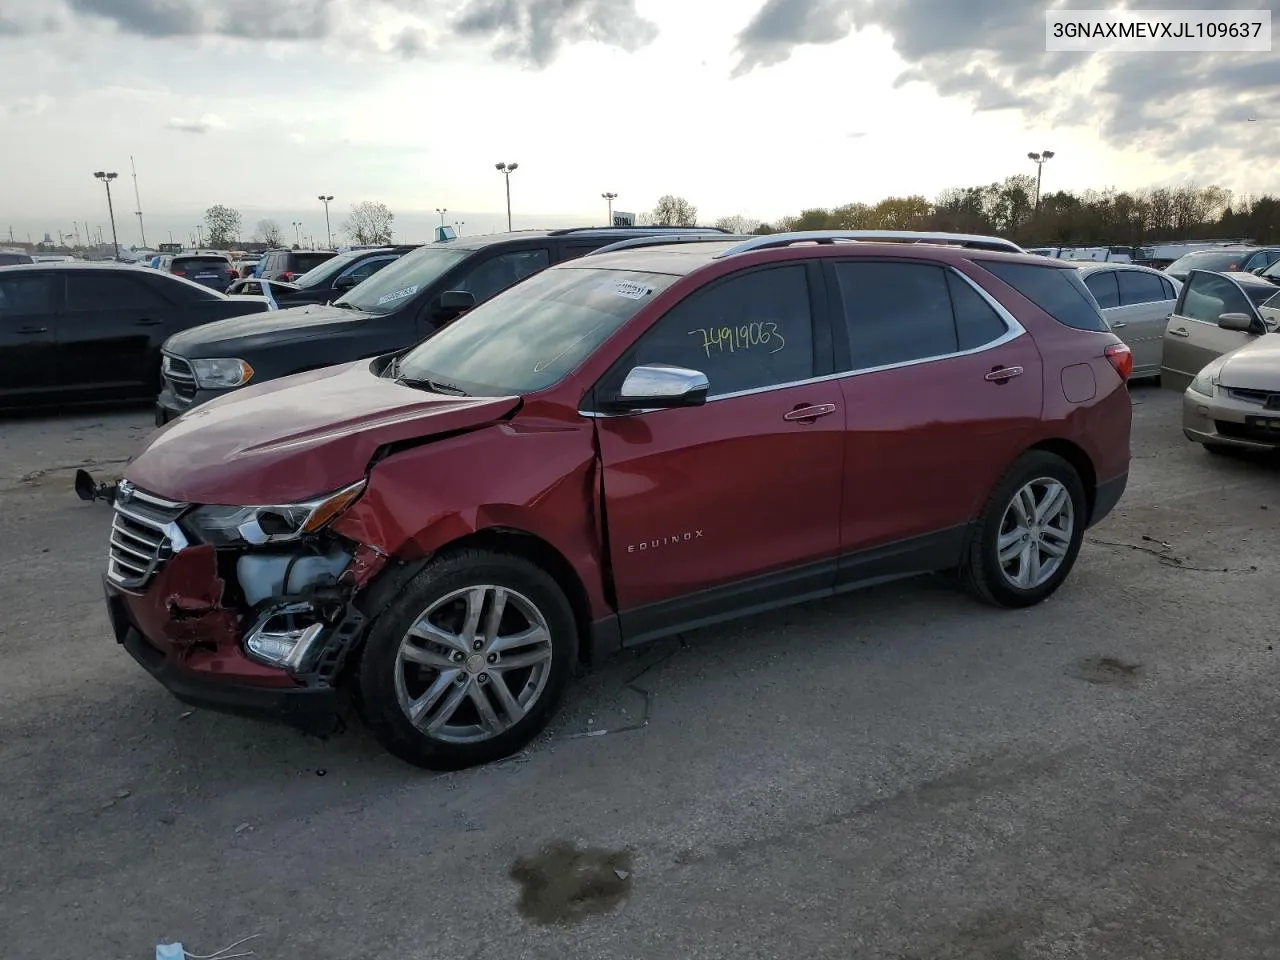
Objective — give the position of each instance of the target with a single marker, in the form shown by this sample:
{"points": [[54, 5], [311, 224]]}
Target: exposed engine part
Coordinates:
{"points": [[266, 575]]}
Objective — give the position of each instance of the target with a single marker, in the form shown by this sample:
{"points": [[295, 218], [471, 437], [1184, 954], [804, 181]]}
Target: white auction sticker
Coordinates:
{"points": [[1157, 31], [629, 289], [398, 295]]}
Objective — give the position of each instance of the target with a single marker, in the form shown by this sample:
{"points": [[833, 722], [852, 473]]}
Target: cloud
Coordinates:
{"points": [[532, 32], [991, 54], [202, 125]]}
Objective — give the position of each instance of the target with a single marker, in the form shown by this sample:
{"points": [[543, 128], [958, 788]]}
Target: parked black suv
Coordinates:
{"points": [[392, 310], [337, 275], [289, 265], [76, 332]]}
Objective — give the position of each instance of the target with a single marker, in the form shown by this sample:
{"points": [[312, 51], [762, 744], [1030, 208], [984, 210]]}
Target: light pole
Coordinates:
{"points": [[506, 169], [325, 200], [106, 179], [458, 225], [1040, 159], [297, 231], [442, 211], [199, 235], [610, 197]]}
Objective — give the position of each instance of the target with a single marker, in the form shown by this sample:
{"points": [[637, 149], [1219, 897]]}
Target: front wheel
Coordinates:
{"points": [[468, 664], [1028, 536]]}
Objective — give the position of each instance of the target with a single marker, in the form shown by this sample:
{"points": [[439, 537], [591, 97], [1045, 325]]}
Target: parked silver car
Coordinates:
{"points": [[1136, 303]]}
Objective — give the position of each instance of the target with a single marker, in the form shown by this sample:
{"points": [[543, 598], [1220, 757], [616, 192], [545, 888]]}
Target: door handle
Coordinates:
{"points": [[1179, 332], [1118, 325], [1004, 374], [149, 323], [808, 412], [33, 329]]}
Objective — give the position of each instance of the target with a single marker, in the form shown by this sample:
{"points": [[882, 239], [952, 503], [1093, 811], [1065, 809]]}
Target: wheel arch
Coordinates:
{"points": [[1080, 461]]}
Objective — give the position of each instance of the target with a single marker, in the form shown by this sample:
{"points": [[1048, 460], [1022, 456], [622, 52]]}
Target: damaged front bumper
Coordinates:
{"points": [[263, 634]]}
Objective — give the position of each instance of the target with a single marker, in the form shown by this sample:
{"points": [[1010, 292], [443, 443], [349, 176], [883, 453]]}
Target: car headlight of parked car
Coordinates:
{"points": [[223, 526], [221, 372], [1206, 380]]}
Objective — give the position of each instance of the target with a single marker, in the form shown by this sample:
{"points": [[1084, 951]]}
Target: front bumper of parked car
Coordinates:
{"points": [[1231, 418]]}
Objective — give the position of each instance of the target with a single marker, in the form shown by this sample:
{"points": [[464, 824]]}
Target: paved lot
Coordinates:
{"points": [[898, 774]]}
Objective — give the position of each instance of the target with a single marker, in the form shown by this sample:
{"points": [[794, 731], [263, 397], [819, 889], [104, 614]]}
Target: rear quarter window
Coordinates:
{"points": [[1058, 292]]}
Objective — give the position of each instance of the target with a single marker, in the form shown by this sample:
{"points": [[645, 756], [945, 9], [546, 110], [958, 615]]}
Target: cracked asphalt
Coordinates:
{"points": [[897, 774]]}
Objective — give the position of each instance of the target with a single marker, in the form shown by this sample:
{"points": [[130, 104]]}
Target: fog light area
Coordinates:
{"points": [[285, 636]]}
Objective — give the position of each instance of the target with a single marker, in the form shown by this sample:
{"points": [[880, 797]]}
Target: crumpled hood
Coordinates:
{"points": [[297, 437], [1255, 366], [227, 338]]}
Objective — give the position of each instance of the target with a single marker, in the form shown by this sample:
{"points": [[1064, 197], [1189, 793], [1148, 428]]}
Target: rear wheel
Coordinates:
{"points": [[1028, 534], [468, 664]]}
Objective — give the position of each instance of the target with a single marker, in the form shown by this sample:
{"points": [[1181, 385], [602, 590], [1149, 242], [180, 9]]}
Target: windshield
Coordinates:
{"points": [[535, 334], [388, 289], [1216, 261], [323, 275]]}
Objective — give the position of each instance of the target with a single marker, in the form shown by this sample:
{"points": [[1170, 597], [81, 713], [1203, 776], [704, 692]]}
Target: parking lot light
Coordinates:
{"points": [[1039, 159], [106, 179], [506, 169], [325, 200], [609, 197]]}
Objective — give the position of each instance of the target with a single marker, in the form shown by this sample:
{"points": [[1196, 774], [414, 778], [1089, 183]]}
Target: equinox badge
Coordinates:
{"points": [[665, 541]]}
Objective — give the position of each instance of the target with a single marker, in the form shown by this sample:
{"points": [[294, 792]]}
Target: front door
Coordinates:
{"points": [[943, 392], [1193, 337], [109, 331], [29, 302], [735, 504]]}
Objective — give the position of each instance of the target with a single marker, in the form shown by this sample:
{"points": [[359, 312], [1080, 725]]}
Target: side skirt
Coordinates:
{"points": [[770, 591]]}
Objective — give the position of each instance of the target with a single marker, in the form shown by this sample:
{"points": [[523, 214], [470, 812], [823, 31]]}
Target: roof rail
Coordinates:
{"points": [[970, 240], [665, 238], [651, 229]]}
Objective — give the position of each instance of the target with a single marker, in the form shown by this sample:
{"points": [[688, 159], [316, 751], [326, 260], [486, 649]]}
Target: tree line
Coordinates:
{"points": [[369, 222], [1008, 209]]}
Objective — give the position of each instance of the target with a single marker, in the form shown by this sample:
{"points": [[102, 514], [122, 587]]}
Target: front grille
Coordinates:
{"points": [[1248, 431], [143, 536], [1264, 398], [180, 377]]}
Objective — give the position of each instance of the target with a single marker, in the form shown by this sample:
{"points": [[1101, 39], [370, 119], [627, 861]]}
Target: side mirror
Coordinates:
{"points": [[453, 303], [660, 387], [1240, 322]]}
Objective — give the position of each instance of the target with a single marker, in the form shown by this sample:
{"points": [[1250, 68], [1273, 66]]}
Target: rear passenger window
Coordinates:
{"points": [[1102, 284], [977, 322], [90, 291], [1139, 287], [751, 331], [27, 294], [896, 312], [1058, 292]]}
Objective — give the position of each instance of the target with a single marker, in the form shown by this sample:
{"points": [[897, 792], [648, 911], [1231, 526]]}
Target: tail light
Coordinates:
{"points": [[288, 276], [1121, 357], [179, 273]]}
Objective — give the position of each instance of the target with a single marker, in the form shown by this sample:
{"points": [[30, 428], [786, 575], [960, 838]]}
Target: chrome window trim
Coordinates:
{"points": [[1013, 330]]}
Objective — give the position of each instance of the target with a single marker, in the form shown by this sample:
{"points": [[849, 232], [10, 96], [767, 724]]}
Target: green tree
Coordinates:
{"points": [[222, 226], [672, 211], [369, 222]]}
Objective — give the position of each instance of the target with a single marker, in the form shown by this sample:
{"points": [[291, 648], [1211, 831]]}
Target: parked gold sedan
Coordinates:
{"points": [[1225, 330]]}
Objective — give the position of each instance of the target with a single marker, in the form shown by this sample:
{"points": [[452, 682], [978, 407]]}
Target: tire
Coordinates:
{"points": [[430, 674], [982, 572]]}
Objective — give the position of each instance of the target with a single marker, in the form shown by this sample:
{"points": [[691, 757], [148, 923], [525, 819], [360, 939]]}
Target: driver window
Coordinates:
{"points": [[1208, 296], [497, 273], [750, 331]]}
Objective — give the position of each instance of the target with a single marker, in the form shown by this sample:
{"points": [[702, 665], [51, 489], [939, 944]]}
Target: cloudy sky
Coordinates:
{"points": [[743, 106]]}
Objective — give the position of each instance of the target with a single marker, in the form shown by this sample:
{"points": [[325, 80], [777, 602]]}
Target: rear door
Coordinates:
{"points": [[29, 303], [733, 504], [943, 388], [110, 331], [1146, 303], [1193, 337]]}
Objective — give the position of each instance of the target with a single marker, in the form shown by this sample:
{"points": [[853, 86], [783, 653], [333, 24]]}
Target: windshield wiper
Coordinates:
{"points": [[341, 306], [435, 386]]}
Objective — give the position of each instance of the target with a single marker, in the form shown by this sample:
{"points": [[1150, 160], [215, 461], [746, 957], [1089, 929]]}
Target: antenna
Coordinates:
{"points": [[138, 202]]}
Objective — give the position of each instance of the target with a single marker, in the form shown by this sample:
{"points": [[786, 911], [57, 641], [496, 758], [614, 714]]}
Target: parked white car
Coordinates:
{"points": [[1136, 302]]}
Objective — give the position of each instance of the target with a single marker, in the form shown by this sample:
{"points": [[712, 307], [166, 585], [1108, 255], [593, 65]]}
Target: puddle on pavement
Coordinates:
{"points": [[563, 883], [1109, 670]]}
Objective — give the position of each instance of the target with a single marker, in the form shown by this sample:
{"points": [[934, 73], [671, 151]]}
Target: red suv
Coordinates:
{"points": [[642, 441]]}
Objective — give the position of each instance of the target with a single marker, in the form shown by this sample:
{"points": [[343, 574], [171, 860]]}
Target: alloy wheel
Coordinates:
{"points": [[1035, 533], [473, 664]]}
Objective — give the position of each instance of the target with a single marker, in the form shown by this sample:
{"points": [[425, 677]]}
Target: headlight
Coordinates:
{"points": [[229, 526], [221, 372], [1206, 380]]}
